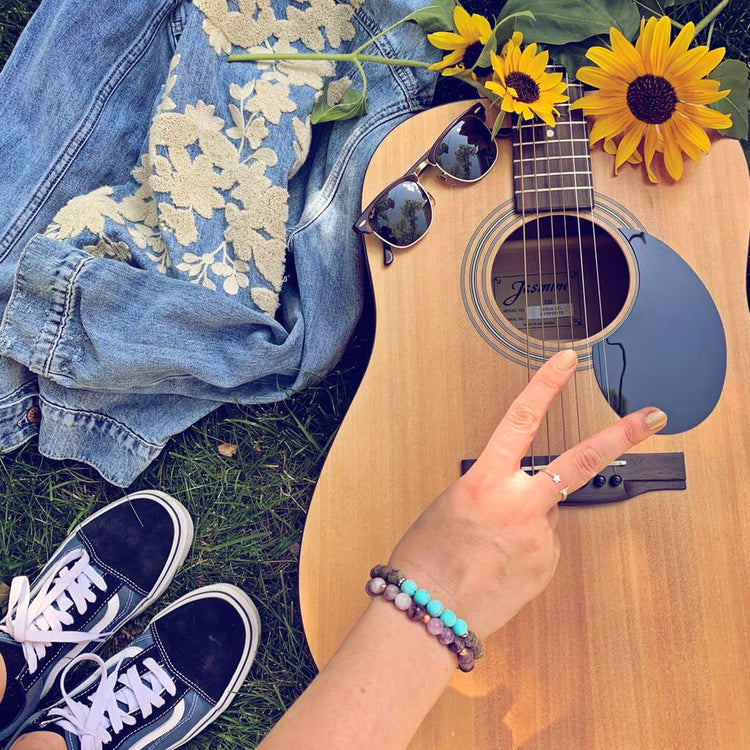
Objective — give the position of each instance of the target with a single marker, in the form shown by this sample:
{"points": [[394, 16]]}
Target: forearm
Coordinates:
{"points": [[375, 691]]}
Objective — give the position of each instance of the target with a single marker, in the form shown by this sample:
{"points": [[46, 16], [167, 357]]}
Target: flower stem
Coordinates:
{"points": [[710, 17], [350, 57], [364, 78]]}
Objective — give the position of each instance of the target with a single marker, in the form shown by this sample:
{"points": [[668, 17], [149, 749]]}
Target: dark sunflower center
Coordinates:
{"points": [[527, 89], [652, 99], [471, 54]]}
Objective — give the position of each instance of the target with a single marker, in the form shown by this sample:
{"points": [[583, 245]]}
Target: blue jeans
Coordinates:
{"points": [[171, 236]]}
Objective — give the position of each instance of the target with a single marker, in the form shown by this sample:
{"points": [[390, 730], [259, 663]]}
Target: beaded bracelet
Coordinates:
{"points": [[450, 630]]}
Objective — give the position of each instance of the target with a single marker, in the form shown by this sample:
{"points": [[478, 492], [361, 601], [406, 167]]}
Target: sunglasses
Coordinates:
{"points": [[401, 214]]}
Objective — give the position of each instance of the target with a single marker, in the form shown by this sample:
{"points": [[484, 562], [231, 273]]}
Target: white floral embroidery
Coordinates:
{"points": [[302, 140], [265, 299], [85, 212], [271, 99], [166, 104], [336, 90]]}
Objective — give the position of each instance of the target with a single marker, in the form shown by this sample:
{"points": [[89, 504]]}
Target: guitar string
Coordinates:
{"points": [[539, 264], [525, 270], [567, 264], [601, 312], [573, 158], [554, 272], [599, 293]]}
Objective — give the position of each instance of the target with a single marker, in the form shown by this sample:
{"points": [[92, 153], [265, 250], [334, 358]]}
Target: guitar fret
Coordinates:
{"points": [[542, 143], [556, 159], [542, 191]]}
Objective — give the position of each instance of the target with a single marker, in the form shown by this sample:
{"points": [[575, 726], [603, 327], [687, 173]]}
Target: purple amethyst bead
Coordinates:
{"points": [[391, 592], [415, 612], [402, 601], [457, 645], [376, 586], [466, 662], [435, 626], [446, 636]]}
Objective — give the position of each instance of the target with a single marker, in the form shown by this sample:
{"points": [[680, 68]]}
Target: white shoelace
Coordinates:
{"points": [[37, 624], [108, 709]]}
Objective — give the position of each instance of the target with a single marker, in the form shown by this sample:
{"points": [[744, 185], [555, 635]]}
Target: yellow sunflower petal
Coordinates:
{"points": [[704, 91], [482, 27], [659, 47], [462, 20], [629, 143], [527, 57], [450, 59], [692, 138], [447, 40], [629, 60], [672, 153], [705, 117], [699, 68], [537, 66], [644, 35], [599, 78], [608, 126], [680, 44], [649, 149], [495, 86], [595, 104]]}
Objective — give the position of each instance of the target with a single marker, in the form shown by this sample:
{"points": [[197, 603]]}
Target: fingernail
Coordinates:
{"points": [[655, 420], [565, 360]]}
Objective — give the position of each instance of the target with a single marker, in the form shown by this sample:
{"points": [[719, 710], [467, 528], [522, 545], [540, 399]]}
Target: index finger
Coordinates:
{"points": [[513, 436]]}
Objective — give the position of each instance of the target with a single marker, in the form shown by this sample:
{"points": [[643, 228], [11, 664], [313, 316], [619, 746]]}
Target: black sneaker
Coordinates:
{"points": [[169, 684], [108, 571]]}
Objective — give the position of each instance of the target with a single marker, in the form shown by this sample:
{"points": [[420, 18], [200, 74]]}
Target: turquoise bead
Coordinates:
{"points": [[460, 628], [421, 597], [449, 618], [409, 587], [434, 608]]}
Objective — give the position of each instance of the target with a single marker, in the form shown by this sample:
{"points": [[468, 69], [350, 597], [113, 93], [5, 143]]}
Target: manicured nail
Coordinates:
{"points": [[565, 360], [655, 420]]}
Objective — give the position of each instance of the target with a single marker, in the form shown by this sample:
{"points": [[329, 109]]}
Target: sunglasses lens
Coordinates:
{"points": [[401, 216], [468, 151]]}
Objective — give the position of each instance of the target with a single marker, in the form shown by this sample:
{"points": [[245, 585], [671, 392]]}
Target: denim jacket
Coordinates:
{"points": [[171, 236]]}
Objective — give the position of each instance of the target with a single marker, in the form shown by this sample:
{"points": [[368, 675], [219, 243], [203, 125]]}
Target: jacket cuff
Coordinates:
{"points": [[32, 327], [19, 416], [94, 439]]}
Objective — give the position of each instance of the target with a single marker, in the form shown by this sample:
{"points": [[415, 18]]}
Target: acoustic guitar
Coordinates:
{"points": [[642, 640]]}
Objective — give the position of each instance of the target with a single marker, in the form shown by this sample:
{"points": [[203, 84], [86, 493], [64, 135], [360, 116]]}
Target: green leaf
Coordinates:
{"points": [[572, 56], [499, 120], [564, 21], [437, 16], [500, 34], [352, 104], [732, 74]]}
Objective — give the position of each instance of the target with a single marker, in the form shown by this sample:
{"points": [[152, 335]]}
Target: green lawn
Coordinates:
{"points": [[249, 511]]}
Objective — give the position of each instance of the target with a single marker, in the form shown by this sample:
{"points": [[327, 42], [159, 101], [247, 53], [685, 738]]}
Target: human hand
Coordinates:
{"points": [[489, 544]]}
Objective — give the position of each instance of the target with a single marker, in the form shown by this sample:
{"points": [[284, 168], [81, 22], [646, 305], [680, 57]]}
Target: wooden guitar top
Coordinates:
{"points": [[642, 640]]}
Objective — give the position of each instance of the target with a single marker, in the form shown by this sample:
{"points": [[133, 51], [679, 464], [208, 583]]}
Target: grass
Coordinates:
{"points": [[249, 510]]}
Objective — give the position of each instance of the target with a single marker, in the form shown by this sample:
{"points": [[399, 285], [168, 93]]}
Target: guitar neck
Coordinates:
{"points": [[552, 166]]}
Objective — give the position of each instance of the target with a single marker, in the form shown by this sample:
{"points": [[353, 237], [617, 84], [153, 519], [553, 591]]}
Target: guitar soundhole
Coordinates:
{"points": [[560, 278]]}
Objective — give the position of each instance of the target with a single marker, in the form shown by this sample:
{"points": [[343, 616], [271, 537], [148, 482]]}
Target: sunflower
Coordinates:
{"points": [[473, 33], [653, 93], [525, 88]]}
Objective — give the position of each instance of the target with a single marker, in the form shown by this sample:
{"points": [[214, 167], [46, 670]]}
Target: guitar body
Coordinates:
{"points": [[642, 640]]}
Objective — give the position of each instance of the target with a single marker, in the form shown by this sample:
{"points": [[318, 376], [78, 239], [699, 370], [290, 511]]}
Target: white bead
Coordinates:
{"points": [[402, 601]]}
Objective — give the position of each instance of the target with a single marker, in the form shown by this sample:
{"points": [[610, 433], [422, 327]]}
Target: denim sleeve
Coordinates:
{"points": [[148, 301]]}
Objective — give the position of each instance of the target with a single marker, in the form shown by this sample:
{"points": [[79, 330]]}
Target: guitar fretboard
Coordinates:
{"points": [[552, 167]]}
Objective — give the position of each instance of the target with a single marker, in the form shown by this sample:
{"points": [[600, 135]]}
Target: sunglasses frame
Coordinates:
{"points": [[428, 159]]}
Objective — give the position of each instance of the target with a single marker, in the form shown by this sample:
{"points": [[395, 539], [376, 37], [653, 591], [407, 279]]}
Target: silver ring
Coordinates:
{"points": [[557, 479]]}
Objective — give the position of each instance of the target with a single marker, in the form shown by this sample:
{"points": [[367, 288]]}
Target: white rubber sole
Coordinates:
{"points": [[183, 541]]}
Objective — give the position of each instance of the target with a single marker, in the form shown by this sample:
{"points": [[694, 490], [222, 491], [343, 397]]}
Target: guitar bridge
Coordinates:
{"points": [[630, 475]]}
